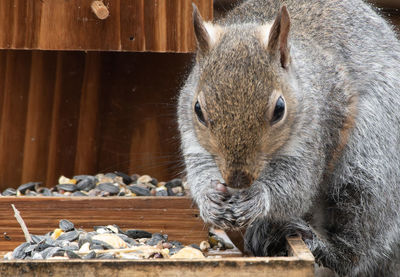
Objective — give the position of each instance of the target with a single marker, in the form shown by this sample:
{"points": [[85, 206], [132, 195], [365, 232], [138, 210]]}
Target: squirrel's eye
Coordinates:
{"points": [[199, 113], [279, 110]]}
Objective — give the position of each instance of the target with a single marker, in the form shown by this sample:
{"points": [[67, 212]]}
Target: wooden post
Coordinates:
{"points": [[100, 10]]}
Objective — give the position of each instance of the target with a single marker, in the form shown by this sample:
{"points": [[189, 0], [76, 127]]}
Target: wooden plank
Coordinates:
{"points": [[293, 266], [3, 71], [62, 145], [133, 25], [297, 248], [175, 216], [245, 267], [297, 265], [88, 126], [39, 113], [96, 203], [13, 115]]}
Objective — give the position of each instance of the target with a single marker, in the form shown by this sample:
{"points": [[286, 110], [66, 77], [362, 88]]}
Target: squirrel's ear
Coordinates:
{"points": [[278, 36], [206, 33]]}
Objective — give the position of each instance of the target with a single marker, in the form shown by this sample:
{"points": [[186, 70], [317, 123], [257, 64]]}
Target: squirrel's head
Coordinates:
{"points": [[243, 107]]}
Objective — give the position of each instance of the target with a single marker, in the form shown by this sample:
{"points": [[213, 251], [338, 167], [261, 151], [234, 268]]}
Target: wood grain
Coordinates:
{"points": [[13, 113], [69, 113], [88, 125], [175, 216], [65, 112], [133, 25], [240, 267], [39, 110]]}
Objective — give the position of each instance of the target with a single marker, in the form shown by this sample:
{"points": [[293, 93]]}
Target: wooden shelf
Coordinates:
{"points": [[132, 25], [175, 216]]}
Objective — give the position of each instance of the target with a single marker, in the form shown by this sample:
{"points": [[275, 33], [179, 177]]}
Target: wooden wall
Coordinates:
{"points": [[75, 113], [133, 25]]}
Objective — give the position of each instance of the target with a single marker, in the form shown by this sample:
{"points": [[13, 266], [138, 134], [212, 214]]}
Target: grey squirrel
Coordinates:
{"points": [[294, 106]]}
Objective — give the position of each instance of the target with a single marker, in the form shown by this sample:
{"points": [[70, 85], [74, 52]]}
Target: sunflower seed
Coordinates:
{"points": [[174, 183], [156, 238], [66, 225], [72, 255], [89, 256], [30, 248], [98, 245], [144, 179], [31, 186], [110, 175], [139, 191], [176, 243], [9, 192], [45, 192], [138, 234], [84, 238], [67, 187], [126, 178], [42, 246], [19, 252], [174, 250], [109, 240], [204, 245], [69, 236], [71, 247], [86, 184], [170, 192], [108, 187], [160, 191], [78, 193], [127, 239], [106, 256], [52, 252]]}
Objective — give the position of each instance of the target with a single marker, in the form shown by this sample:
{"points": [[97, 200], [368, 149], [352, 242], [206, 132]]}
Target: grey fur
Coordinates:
{"points": [[340, 50]]}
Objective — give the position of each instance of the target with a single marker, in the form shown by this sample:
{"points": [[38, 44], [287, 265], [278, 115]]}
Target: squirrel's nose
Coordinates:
{"points": [[239, 179]]}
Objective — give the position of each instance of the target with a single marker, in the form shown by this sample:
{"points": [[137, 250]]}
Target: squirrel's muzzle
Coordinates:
{"points": [[239, 179]]}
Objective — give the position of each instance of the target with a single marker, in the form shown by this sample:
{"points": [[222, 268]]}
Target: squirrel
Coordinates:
{"points": [[290, 124]]}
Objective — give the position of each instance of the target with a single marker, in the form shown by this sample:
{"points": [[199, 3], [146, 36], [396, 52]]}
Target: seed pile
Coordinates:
{"points": [[103, 185], [105, 242]]}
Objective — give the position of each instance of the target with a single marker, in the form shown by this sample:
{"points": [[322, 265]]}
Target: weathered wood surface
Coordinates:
{"points": [[133, 25], [66, 113], [297, 248], [238, 267], [293, 266], [175, 216]]}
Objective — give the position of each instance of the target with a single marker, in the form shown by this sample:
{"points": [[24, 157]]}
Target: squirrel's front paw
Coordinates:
{"points": [[230, 210], [214, 206], [269, 238]]}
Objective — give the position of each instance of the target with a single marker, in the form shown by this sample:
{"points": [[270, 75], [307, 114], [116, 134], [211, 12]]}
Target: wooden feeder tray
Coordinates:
{"points": [[175, 216]]}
